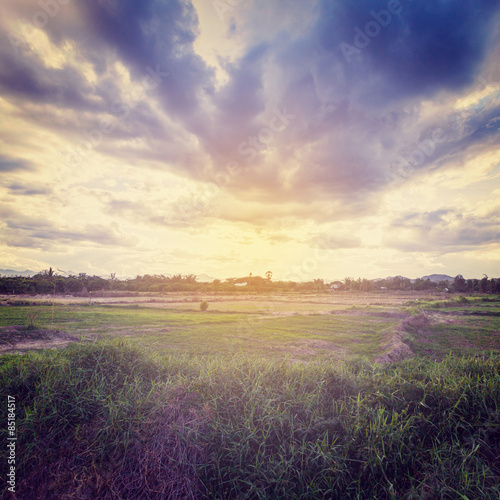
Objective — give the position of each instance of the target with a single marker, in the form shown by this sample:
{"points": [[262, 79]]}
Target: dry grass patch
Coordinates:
{"points": [[19, 338]]}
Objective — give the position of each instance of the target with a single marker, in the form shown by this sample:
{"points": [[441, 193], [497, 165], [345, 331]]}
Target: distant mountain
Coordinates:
{"points": [[12, 272], [390, 278], [436, 278], [204, 278]]}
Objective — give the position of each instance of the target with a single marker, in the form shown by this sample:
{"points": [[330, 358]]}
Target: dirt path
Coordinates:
{"points": [[18, 339]]}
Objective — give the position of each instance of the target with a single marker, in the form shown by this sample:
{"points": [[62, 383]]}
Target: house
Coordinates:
{"points": [[336, 285]]}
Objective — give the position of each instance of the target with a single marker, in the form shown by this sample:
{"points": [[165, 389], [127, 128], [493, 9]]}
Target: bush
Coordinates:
{"points": [[204, 306], [31, 325]]}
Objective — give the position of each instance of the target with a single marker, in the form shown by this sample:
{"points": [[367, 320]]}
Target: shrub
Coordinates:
{"points": [[31, 325], [204, 306]]}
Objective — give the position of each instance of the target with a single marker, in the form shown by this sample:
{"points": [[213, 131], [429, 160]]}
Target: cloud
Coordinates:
{"points": [[335, 241], [359, 115], [445, 231], [12, 164], [417, 49], [115, 90], [28, 190], [35, 232]]}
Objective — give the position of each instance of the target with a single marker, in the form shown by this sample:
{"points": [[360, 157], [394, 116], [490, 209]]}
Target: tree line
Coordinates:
{"points": [[49, 282]]}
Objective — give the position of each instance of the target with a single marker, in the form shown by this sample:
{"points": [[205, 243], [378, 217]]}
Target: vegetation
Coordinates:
{"points": [[255, 398], [305, 328], [110, 420], [32, 316], [49, 282]]}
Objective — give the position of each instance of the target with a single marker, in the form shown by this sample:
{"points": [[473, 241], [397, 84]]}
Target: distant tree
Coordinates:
{"points": [[459, 284], [319, 284], [74, 285], [366, 285], [443, 285], [484, 284], [269, 275]]}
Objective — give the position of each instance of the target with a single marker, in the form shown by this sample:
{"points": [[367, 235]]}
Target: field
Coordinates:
{"points": [[338, 395], [299, 328]]}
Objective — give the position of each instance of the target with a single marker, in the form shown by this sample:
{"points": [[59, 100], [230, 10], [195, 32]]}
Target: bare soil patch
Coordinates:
{"points": [[18, 339]]}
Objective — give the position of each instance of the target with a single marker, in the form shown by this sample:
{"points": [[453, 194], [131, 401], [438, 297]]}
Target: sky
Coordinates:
{"points": [[318, 139]]}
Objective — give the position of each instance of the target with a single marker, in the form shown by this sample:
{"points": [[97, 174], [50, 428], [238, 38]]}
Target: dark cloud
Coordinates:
{"points": [[156, 36], [35, 232], [444, 231], [154, 41], [238, 103], [62, 87], [357, 118], [12, 164], [425, 46], [143, 34], [29, 190]]}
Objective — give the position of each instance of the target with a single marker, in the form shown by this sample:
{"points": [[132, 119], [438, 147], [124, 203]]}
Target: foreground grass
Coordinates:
{"points": [[110, 420]]}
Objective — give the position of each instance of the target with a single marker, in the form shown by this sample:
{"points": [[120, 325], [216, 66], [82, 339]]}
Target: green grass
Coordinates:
{"points": [[113, 420], [457, 326], [304, 336], [246, 400]]}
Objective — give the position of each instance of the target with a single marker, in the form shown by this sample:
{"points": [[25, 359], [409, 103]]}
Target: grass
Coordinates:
{"points": [[251, 401], [461, 325], [113, 420], [457, 325], [310, 335]]}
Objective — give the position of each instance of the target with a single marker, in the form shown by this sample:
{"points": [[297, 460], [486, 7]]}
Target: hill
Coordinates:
{"points": [[436, 278], [12, 272]]}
